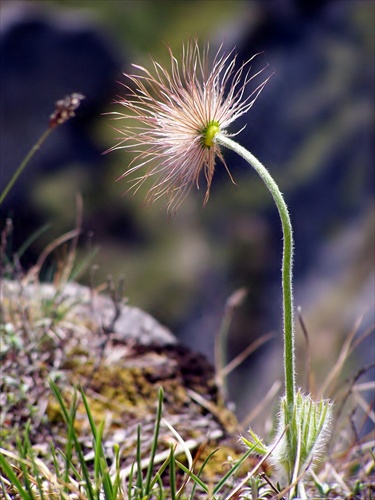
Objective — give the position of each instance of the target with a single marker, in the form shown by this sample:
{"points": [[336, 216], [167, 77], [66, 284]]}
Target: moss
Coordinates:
{"points": [[53, 411], [123, 386], [120, 379]]}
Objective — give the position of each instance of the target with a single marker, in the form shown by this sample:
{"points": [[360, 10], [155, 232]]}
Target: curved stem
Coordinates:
{"points": [[287, 262], [23, 164]]}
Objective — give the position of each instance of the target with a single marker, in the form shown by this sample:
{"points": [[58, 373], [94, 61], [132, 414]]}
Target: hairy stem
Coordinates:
{"points": [[287, 262]]}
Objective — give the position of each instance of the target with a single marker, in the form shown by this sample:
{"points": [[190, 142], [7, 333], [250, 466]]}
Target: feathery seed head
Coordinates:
{"points": [[172, 118]]}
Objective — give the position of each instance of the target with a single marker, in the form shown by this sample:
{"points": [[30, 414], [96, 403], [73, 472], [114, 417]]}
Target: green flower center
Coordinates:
{"points": [[209, 133]]}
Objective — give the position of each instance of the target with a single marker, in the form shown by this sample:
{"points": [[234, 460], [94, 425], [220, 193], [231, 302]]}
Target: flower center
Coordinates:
{"points": [[209, 133]]}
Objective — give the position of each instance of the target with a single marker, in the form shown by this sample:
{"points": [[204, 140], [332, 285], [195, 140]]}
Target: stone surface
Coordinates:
{"points": [[120, 356]]}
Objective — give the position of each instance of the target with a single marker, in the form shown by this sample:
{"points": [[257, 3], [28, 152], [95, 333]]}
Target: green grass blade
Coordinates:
{"points": [[106, 480], [31, 456], [65, 415], [172, 473], [74, 471], [23, 451], [193, 476], [130, 481], [100, 462], [70, 437], [103, 466], [38, 479], [200, 472], [25, 495], [154, 443], [161, 489], [159, 473], [97, 461], [232, 471], [117, 481], [81, 267], [55, 461], [139, 481], [30, 240], [69, 420]]}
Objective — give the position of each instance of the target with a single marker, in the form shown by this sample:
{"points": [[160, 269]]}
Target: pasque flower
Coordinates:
{"points": [[176, 124], [171, 118]]}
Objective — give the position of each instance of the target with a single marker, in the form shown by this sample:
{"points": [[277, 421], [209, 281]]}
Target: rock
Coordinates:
{"points": [[119, 355], [130, 324]]}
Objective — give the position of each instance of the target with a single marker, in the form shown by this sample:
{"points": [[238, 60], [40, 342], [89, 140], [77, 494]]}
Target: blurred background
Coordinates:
{"points": [[312, 126]]}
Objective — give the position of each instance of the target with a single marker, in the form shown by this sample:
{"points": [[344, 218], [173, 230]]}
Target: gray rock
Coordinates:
{"points": [[131, 323]]}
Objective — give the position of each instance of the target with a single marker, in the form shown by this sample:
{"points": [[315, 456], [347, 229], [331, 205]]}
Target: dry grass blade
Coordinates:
{"points": [[255, 469], [197, 457], [160, 457], [346, 350], [221, 342], [211, 408], [365, 405], [69, 263], [181, 441], [35, 270], [309, 377], [246, 353], [261, 405]]}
